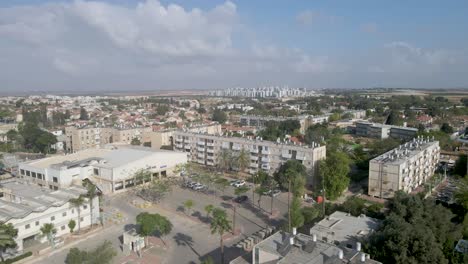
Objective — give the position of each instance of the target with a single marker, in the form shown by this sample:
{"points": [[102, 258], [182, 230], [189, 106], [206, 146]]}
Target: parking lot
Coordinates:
{"points": [[190, 240]]}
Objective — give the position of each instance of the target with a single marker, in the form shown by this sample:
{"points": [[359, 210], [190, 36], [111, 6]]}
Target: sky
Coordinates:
{"points": [[125, 45]]}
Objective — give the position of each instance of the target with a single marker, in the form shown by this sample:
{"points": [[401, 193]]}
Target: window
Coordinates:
{"points": [[62, 227], [73, 211], [55, 179], [22, 172], [85, 207], [27, 226], [81, 219], [52, 218], [37, 223], [33, 174], [64, 214], [96, 171], [28, 173]]}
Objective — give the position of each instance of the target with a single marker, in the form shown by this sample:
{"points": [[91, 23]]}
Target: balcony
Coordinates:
{"points": [[236, 147], [179, 146], [187, 147], [265, 167], [200, 149], [265, 151], [253, 171], [254, 150], [286, 155], [301, 158], [210, 150], [178, 140], [210, 163], [210, 144], [201, 156], [254, 158], [265, 159], [253, 165]]}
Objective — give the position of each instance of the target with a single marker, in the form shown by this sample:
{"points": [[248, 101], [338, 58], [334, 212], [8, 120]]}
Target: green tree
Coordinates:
{"points": [[394, 119], [182, 115], [334, 174], [135, 142], [83, 114], [103, 254], [243, 159], [446, 128], [48, 230], [310, 214], [289, 170], [91, 194], [460, 166], [297, 218], [317, 133], [208, 209], [189, 205], [258, 178], [220, 225], [77, 203], [224, 160], [415, 230], [208, 260], [219, 116], [71, 225], [147, 225], [7, 238]]}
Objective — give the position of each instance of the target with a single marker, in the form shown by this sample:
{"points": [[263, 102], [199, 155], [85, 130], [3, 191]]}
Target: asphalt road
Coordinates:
{"points": [[190, 240]]}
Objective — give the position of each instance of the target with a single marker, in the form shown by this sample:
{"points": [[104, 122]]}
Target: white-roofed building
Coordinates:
{"points": [[111, 169], [28, 207]]}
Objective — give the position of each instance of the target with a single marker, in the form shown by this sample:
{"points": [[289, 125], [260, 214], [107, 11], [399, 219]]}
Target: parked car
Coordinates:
{"points": [[198, 186], [241, 199], [239, 183], [275, 193]]}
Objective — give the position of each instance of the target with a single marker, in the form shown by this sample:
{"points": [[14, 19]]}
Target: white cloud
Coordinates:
{"points": [[406, 56], [307, 17]]}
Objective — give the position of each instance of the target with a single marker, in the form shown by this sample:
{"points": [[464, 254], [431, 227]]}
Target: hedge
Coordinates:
{"points": [[17, 258]]}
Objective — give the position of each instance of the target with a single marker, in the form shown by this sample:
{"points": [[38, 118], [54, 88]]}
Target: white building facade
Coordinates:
{"points": [[404, 168]]}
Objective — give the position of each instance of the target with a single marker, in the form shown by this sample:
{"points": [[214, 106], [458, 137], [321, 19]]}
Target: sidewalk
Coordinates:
{"points": [[68, 244]]}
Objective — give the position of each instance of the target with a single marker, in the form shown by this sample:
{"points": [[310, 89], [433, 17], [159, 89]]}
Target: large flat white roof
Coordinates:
{"points": [[113, 157]]}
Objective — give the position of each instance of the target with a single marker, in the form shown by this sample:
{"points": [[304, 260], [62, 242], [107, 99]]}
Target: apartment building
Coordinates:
{"points": [[28, 207], [125, 135], [166, 137], [285, 248], [261, 92], [80, 138], [111, 169], [304, 120], [381, 131], [404, 168], [264, 155]]}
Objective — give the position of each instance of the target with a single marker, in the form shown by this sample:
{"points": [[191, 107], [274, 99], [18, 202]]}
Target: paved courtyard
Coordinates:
{"points": [[191, 240]]}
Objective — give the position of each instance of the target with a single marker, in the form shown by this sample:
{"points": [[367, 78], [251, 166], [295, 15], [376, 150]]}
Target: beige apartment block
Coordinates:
{"points": [[87, 137], [404, 168], [264, 155], [166, 137]]}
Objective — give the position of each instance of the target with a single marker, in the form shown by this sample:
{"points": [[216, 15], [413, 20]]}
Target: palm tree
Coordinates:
{"points": [[224, 159], [91, 194], [48, 230], [209, 209], [220, 225], [188, 205], [243, 160], [7, 235], [77, 203], [271, 185]]}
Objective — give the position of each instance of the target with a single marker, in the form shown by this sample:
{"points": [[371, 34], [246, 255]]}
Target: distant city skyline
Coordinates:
{"points": [[149, 45]]}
